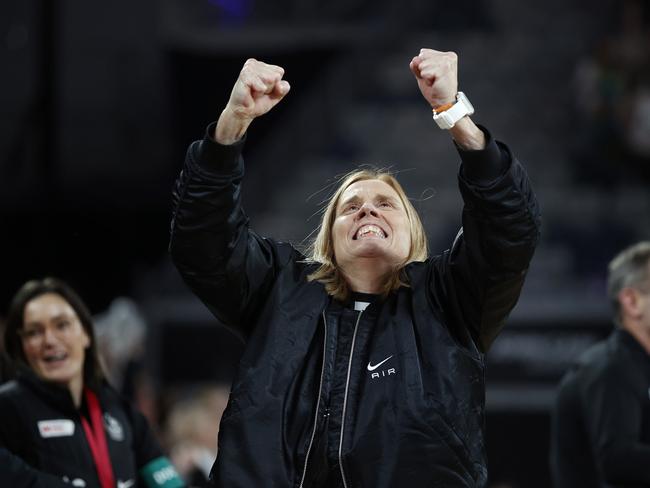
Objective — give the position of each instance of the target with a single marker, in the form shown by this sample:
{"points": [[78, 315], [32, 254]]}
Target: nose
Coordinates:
{"points": [[49, 337], [367, 209]]}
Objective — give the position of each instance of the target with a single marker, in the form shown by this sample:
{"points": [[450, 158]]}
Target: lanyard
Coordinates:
{"points": [[96, 438]]}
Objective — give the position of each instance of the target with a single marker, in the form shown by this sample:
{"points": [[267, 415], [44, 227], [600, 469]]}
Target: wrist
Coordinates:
{"points": [[443, 104], [230, 127], [447, 115], [467, 135]]}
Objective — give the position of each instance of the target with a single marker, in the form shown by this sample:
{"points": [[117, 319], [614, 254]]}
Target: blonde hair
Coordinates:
{"points": [[322, 249]]}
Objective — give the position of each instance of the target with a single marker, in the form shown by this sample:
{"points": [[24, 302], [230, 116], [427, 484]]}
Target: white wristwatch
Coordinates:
{"points": [[448, 118]]}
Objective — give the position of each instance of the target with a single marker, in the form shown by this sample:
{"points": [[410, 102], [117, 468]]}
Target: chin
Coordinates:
{"points": [[371, 248], [58, 377]]}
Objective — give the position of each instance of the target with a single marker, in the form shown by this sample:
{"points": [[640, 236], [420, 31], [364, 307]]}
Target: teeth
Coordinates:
{"points": [[56, 357], [370, 229]]}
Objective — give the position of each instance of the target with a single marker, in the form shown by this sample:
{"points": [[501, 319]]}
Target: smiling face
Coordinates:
{"points": [[54, 341], [371, 222]]}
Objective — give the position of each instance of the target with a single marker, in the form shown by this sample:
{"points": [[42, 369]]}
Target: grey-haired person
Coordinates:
{"points": [[600, 431]]}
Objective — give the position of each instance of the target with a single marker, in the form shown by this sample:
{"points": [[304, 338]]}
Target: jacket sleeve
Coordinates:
{"points": [[613, 414], [17, 473], [14, 470], [13, 436], [481, 276], [229, 267]]}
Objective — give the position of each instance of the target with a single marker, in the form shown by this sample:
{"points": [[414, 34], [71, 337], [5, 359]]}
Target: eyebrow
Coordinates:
{"points": [[56, 317], [379, 196]]}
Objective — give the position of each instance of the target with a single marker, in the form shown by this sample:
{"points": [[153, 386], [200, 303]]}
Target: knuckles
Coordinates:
{"points": [[251, 66], [447, 57], [254, 68]]}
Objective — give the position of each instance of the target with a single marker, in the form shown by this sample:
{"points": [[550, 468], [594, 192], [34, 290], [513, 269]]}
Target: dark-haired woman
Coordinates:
{"points": [[60, 415]]}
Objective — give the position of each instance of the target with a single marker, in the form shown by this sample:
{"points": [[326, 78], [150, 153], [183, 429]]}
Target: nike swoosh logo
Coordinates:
{"points": [[372, 368], [125, 484]]}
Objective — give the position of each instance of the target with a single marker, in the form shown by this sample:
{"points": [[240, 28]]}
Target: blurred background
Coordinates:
{"points": [[99, 101]]}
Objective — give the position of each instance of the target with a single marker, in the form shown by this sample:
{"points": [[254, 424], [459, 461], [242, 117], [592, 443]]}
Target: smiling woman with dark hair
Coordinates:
{"points": [[60, 415], [364, 361]]}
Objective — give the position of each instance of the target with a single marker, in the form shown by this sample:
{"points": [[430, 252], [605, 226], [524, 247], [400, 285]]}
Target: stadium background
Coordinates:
{"points": [[100, 99]]}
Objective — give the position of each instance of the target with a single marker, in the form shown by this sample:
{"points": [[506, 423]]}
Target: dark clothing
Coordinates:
{"points": [[16, 473], [342, 321], [420, 425], [601, 423], [41, 425]]}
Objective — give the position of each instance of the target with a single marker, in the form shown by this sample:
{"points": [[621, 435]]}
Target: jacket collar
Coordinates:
{"points": [[51, 393], [627, 341]]}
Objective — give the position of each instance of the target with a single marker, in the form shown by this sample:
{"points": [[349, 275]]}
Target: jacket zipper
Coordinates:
{"points": [[345, 400], [320, 388]]}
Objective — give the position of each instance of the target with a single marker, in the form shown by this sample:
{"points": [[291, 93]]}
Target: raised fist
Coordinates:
{"points": [[257, 90], [437, 75]]}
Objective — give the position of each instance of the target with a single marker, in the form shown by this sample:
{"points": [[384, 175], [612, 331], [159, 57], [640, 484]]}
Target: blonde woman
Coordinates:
{"points": [[364, 361]]}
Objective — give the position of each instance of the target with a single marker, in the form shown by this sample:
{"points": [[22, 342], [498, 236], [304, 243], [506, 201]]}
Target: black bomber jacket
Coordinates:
{"points": [[41, 427], [420, 425]]}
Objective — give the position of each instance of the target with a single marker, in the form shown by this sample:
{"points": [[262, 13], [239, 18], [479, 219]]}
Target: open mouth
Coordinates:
{"points": [[55, 358], [369, 231]]}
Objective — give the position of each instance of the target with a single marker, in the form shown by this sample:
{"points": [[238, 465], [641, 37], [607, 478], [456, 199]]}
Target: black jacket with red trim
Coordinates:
{"points": [[40, 424]]}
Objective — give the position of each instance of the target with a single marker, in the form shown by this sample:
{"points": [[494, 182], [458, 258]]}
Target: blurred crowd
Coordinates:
{"points": [[612, 102]]}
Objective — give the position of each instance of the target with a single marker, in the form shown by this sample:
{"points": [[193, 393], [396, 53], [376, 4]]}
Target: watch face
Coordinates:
{"points": [[461, 98]]}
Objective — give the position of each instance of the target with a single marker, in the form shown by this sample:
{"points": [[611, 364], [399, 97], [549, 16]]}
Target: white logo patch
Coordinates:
{"points": [[382, 372], [77, 482], [56, 428], [372, 368], [113, 427], [165, 474], [125, 484]]}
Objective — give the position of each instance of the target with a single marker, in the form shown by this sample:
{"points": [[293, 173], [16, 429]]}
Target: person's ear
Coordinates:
{"points": [[86, 337], [629, 300]]}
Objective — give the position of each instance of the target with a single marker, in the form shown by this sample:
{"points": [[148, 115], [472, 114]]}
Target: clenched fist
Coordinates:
{"points": [[257, 90], [437, 75]]}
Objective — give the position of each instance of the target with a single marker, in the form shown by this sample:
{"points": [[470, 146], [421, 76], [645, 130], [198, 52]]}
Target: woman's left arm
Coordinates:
{"points": [[483, 272], [478, 281]]}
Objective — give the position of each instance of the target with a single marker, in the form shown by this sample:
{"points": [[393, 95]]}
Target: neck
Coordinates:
{"points": [[640, 333], [366, 277], [75, 387]]}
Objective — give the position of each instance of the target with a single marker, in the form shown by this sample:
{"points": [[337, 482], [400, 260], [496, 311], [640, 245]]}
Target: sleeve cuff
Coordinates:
{"points": [[486, 165], [218, 158]]}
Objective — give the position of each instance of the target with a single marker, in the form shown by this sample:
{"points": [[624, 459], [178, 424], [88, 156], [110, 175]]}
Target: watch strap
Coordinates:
{"points": [[447, 119]]}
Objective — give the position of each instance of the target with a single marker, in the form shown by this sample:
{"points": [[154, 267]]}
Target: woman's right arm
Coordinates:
{"points": [[17, 473], [228, 266]]}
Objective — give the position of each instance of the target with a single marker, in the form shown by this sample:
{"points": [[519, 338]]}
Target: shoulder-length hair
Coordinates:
{"points": [[93, 371], [322, 249]]}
